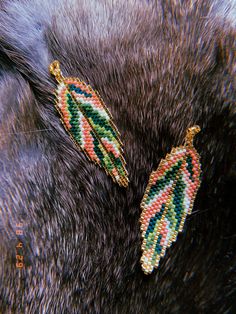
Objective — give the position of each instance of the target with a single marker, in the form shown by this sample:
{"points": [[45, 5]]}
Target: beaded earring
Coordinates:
{"points": [[90, 124], [168, 199]]}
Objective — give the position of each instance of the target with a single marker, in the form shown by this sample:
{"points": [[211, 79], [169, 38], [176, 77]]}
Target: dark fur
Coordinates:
{"points": [[160, 66]]}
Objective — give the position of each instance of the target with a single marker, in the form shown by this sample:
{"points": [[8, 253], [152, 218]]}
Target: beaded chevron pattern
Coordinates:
{"points": [[90, 125], [168, 200]]}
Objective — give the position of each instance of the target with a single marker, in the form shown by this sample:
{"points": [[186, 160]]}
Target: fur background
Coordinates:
{"points": [[160, 66]]}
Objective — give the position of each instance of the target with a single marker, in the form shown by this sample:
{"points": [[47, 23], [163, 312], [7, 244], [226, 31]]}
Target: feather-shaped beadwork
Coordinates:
{"points": [[168, 200], [90, 124]]}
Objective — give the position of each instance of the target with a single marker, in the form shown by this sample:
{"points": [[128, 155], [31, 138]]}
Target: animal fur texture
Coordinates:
{"points": [[160, 66]]}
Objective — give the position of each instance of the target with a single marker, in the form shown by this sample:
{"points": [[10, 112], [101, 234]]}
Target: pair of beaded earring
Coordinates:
{"points": [[172, 188]]}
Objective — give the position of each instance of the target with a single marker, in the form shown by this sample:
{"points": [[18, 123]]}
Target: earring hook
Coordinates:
{"points": [[55, 70], [191, 132]]}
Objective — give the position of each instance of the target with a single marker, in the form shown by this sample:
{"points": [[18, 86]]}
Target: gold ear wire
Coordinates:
{"points": [[55, 70], [190, 134]]}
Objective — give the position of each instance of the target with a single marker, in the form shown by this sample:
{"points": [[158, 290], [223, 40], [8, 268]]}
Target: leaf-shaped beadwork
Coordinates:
{"points": [[168, 199], [90, 125]]}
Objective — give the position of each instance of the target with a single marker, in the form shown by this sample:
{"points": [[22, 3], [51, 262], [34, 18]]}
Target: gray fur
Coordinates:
{"points": [[160, 66]]}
